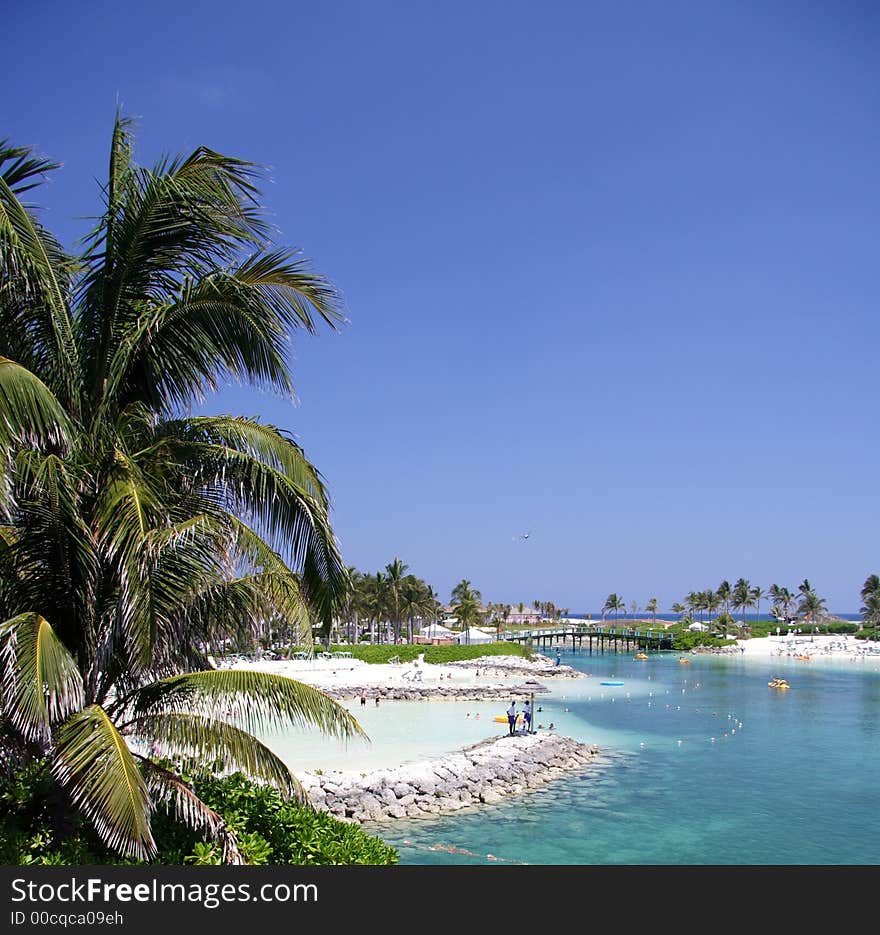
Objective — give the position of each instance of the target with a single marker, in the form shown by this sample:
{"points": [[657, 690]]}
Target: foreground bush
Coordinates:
{"points": [[35, 829]]}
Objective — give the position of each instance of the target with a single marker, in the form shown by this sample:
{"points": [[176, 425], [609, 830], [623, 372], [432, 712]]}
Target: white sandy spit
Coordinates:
{"points": [[845, 648], [495, 672]]}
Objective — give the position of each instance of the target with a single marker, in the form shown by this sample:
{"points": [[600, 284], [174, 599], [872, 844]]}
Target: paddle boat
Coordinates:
{"points": [[781, 684], [641, 656], [684, 662]]}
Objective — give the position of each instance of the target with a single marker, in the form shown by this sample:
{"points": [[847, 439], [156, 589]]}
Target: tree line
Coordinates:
{"points": [[725, 600]]}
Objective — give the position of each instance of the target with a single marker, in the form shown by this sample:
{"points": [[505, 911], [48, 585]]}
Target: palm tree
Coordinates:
{"points": [[466, 605], [724, 594], [870, 595], [871, 586], [812, 607], [416, 600], [711, 601], [782, 600], [741, 597], [652, 607], [394, 576], [870, 609], [613, 603], [756, 595], [133, 535]]}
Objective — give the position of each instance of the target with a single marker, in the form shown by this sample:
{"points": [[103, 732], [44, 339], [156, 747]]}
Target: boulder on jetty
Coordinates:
{"points": [[484, 773]]}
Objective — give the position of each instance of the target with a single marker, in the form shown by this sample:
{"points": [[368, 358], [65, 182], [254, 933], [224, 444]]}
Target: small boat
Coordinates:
{"points": [[641, 655], [778, 683], [685, 662], [502, 718], [804, 658], [610, 683]]}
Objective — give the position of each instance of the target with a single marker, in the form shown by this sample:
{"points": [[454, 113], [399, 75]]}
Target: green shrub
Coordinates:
{"points": [[381, 653], [35, 828], [688, 639]]}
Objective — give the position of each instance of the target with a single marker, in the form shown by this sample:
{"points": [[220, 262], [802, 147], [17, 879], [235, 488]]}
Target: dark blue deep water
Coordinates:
{"points": [[701, 764]]}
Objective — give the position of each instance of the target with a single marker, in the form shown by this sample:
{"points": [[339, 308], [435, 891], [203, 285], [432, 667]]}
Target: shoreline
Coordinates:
{"points": [[484, 773], [502, 766]]}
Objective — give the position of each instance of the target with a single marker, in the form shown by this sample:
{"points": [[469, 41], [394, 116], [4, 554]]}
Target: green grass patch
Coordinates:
{"points": [[384, 652]]}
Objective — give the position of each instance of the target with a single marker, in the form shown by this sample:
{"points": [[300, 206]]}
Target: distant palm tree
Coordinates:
{"points": [[695, 602], [870, 611], [467, 607], [870, 587], [812, 607], [394, 577], [613, 604], [756, 595], [711, 601], [652, 607], [724, 594], [741, 597]]}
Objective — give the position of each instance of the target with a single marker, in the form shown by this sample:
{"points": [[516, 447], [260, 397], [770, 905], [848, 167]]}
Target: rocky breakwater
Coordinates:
{"points": [[484, 773], [448, 692]]}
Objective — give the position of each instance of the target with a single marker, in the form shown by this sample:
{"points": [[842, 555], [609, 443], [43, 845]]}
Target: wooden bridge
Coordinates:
{"points": [[612, 639]]}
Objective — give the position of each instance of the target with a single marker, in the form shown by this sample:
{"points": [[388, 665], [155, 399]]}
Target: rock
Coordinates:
{"points": [[484, 773]]}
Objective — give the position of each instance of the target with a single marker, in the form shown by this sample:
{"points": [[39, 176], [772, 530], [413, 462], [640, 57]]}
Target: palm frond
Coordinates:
{"points": [[21, 169], [194, 740], [93, 764], [36, 270], [256, 700], [29, 412], [41, 681], [170, 790]]}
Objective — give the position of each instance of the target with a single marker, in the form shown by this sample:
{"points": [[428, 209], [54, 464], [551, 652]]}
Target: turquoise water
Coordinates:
{"points": [[701, 764]]}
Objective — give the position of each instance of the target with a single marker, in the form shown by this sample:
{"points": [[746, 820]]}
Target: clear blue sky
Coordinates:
{"points": [[611, 268]]}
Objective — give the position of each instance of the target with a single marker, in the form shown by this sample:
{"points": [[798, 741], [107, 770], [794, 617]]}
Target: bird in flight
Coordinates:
{"points": [[523, 537]]}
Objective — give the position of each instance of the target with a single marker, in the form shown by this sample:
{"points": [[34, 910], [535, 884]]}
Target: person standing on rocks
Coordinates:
{"points": [[527, 717], [511, 718]]}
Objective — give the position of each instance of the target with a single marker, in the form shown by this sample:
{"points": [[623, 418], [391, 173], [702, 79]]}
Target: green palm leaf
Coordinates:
{"points": [[29, 412], [40, 679], [93, 764], [257, 700], [172, 792], [195, 740]]}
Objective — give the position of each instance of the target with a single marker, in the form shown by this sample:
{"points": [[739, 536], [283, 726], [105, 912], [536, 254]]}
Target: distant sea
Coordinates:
{"points": [[700, 764], [610, 620]]}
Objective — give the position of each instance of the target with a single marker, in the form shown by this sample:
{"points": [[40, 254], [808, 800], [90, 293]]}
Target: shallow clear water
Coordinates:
{"points": [[702, 764]]}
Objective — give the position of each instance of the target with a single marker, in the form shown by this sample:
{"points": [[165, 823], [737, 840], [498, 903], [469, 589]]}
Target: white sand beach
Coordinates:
{"points": [[845, 648], [492, 672]]}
